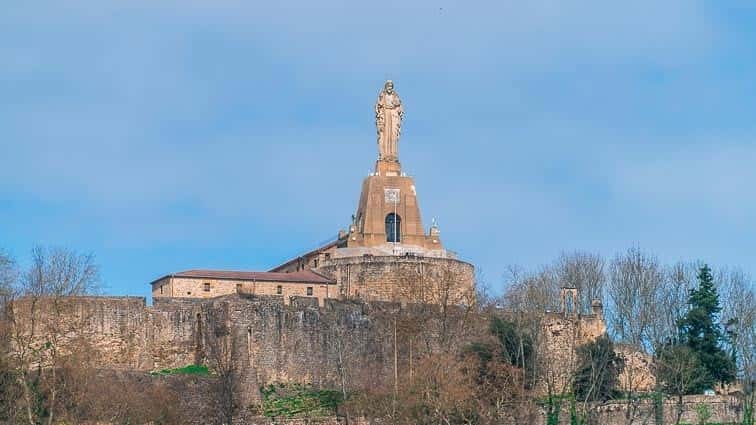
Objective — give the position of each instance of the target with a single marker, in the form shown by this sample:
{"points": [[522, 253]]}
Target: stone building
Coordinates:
{"points": [[569, 328], [214, 283], [563, 332], [385, 255]]}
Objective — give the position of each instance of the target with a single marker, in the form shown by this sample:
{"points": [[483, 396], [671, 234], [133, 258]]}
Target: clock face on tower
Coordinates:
{"points": [[391, 196]]}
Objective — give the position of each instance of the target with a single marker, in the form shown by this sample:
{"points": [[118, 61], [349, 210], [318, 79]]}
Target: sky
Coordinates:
{"points": [[164, 136]]}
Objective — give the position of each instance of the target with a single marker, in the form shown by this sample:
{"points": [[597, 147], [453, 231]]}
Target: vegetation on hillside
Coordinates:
{"points": [[479, 363], [295, 400], [186, 370]]}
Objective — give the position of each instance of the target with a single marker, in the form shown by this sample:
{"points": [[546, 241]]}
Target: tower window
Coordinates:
{"points": [[393, 228]]}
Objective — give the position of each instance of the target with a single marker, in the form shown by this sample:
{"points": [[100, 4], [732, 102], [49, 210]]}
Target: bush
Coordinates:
{"points": [[299, 400], [186, 370]]}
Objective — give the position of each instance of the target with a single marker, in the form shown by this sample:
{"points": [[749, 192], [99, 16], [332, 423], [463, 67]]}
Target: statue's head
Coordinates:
{"points": [[389, 87]]}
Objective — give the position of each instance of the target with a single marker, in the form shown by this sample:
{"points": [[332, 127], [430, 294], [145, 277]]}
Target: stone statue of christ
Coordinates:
{"points": [[388, 120]]}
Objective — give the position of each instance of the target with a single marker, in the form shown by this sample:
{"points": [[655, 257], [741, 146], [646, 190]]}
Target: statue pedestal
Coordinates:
{"points": [[385, 167]]}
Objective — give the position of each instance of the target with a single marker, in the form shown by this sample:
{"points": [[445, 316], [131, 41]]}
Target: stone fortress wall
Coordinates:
{"points": [[564, 331], [723, 410], [272, 342], [408, 278], [278, 342]]}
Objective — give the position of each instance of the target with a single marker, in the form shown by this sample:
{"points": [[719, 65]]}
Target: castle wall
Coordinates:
{"points": [[271, 342], [281, 343], [394, 278], [562, 334], [116, 327], [723, 410], [637, 375]]}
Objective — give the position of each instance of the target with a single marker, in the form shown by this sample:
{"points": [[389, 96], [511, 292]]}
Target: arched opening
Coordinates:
{"points": [[570, 301], [393, 228]]}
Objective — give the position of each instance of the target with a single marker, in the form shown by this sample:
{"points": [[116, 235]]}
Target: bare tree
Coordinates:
{"points": [[584, 271], [677, 370], [8, 277], [738, 297], [670, 303], [635, 279], [223, 357], [528, 298], [35, 326], [9, 390], [531, 291], [59, 272]]}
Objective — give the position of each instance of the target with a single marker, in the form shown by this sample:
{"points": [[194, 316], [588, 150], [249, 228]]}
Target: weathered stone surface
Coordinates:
{"points": [[271, 342], [402, 278], [637, 376], [274, 341], [723, 409], [562, 334]]}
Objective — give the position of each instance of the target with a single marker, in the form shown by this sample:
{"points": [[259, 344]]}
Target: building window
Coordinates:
{"points": [[161, 289], [309, 291], [315, 263], [207, 287], [238, 287], [393, 228], [279, 289]]}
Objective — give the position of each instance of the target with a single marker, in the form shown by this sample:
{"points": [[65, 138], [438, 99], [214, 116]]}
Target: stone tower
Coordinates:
{"points": [[386, 253], [388, 213]]}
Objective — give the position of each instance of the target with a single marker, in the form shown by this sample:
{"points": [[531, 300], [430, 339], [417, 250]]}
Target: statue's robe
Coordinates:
{"points": [[388, 111]]}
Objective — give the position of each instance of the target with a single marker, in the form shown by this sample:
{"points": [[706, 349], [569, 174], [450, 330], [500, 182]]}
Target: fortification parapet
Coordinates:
{"points": [[406, 277]]}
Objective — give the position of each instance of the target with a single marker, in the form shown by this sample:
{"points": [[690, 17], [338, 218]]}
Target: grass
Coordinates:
{"points": [[295, 400], [186, 370]]}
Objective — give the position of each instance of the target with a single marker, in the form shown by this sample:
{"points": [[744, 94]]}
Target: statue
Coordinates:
{"points": [[388, 120]]}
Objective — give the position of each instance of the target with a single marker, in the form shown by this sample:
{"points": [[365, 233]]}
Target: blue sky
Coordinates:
{"points": [[172, 135]]}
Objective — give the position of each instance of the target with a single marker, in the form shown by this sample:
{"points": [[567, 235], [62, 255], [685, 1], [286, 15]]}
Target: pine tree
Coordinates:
{"points": [[701, 331]]}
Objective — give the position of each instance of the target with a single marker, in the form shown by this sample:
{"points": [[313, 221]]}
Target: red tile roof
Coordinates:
{"points": [[303, 276]]}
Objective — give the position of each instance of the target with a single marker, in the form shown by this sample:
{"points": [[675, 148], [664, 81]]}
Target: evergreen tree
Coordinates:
{"points": [[516, 347], [598, 370], [701, 331]]}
